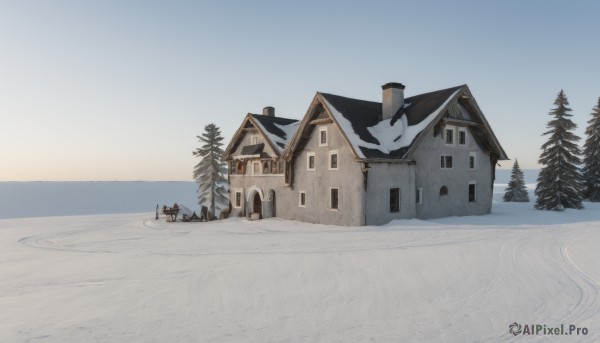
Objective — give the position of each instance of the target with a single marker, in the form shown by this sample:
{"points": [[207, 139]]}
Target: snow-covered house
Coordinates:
{"points": [[357, 162]]}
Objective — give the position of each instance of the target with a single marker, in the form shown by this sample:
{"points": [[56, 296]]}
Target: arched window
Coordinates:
{"points": [[444, 190]]}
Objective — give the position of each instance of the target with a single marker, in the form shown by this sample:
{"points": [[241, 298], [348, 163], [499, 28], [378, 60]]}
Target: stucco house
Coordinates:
{"points": [[357, 162]]}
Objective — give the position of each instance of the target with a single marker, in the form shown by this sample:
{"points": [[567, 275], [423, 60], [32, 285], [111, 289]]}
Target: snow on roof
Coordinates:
{"points": [[278, 133], [391, 137]]}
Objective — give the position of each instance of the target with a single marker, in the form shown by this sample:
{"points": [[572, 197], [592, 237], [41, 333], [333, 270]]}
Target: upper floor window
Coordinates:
{"points": [[472, 160], [254, 139], [449, 135], [310, 161], [256, 168], [462, 136], [333, 160], [446, 162], [323, 139]]}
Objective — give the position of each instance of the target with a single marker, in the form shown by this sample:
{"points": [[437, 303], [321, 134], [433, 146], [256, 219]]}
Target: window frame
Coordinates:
{"points": [[419, 196], [237, 203], [444, 187], [337, 160], [474, 184], [330, 207], [464, 131], [473, 157], [300, 194], [444, 162], [308, 156], [323, 129], [452, 129], [253, 139]]}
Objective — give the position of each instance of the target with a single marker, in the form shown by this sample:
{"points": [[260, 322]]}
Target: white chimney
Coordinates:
{"points": [[269, 111], [393, 99]]}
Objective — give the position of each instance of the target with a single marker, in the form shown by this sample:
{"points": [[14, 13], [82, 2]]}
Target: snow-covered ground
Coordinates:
{"points": [[129, 278]]}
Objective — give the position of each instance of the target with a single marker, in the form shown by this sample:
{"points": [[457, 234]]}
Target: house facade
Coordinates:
{"points": [[356, 162]]}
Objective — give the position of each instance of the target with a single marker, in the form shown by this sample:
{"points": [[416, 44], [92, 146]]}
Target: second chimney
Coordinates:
{"points": [[393, 99], [269, 111]]}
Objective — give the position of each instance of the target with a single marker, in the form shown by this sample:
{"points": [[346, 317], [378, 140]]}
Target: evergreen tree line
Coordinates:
{"points": [[568, 174]]}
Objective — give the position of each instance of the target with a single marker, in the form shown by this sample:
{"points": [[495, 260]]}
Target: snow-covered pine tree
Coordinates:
{"points": [[209, 172], [516, 190], [560, 184], [591, 157]]}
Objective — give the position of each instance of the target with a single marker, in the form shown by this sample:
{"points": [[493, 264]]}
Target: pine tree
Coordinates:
{"points": [[560, 184], [591, 157], [209, 172], [516, 190]]}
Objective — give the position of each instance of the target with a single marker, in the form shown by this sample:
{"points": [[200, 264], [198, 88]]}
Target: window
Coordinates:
{"points": [[333, 160], [256, 168], [323, 136], [310, 161], [444, 190], [472, 192], [254, 139], [395, 200], [446, 162], [419, 196], [472, 160], [462, 136], [302, 199], [333, 198], [266, 168], [238, 200], [449, 132]]}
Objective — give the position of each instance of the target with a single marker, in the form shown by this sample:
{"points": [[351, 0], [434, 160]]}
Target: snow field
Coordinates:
{"points": [[129, 278]]}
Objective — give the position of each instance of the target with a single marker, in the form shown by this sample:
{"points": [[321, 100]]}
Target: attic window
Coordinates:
{"points": [[323, 139], [254, 139]]}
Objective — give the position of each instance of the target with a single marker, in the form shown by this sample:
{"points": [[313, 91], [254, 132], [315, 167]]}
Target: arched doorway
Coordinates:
{"points": [[257, 204]]}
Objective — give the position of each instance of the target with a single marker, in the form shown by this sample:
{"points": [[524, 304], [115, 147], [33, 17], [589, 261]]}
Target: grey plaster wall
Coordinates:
{"points": [[381, 178], [348, 179], [431, 177]]}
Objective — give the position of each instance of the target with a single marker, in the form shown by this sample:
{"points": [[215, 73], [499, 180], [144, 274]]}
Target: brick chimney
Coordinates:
{"points": [[393, 99], [269, 111]]}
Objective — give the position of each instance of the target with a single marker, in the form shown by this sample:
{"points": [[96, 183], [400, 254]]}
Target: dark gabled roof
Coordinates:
{"points": [[270, 125], [364, 114], [255, 149]]}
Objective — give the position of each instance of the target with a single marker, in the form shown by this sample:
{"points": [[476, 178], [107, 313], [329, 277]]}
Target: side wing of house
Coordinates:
{"points": [[256, 171], [325, 180], [455, 161]]}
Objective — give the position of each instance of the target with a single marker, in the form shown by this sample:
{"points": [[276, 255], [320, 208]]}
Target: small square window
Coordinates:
{"points": [[395, 200], [462, 137], [333, 198], [302, 199]]}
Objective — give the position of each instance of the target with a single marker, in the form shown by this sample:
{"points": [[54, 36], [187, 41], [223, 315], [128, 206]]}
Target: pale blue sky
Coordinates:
{"points": [[118, 90]]}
